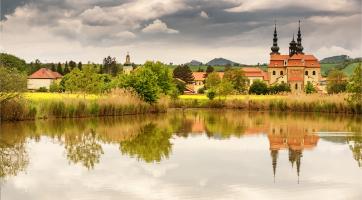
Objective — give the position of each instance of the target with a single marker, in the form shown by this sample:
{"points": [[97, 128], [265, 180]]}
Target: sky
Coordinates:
{"points": [[176, 31]]}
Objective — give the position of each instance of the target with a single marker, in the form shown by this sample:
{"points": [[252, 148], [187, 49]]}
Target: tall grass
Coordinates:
{"points": [[117, 103], [290, 103]]}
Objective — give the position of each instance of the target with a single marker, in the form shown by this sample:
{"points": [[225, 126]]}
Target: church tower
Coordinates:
{"points": [[275, 47], [292, 47], [128, 60], [299, 41]]}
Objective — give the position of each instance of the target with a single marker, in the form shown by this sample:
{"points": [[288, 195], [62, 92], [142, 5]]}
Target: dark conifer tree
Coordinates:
{"points": [[59, 68], [184, 73], [66, 68], [80, 65]]}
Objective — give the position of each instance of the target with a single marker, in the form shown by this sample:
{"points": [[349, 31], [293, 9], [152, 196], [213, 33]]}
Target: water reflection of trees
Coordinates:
{"points": [[152, 144], [148, 138], [84, 148], [13, 155]]}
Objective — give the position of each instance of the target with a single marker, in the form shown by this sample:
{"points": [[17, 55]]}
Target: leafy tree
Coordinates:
{"points": [[66, 68], [279, 88], [143, 81], [258, 87], [309, 88], [59, 68], [225, 88], [12, 83], [180, 85], [355, 85], [13, 62], [209, 69], [184, 73], [213, 80], [35, 66], [336, 82], [110, 66], [54, 87], [72, 65], [200, 70], [164, 76], [237, 79], [53, 67], [80, 65], [227, 68]]}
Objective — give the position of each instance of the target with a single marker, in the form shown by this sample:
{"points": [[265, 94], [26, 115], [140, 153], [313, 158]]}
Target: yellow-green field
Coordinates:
{"points": [[39, 96], [241, 97]]}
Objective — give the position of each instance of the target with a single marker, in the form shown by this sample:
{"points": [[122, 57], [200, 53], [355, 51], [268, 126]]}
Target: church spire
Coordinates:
{"points": [[299, 41], [292, 47], [275, 47]]}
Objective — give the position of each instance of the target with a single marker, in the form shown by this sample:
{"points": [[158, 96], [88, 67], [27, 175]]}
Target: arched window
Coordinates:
{"points": [[306, 73], [273, 72], [296, 86], [281, 72], [313, 72]]}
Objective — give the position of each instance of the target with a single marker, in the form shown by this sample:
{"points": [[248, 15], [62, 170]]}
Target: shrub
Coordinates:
{"points": [[258, 87], [54, 87], [309, 88], [201, 90], [42, 89], [211, 94]]}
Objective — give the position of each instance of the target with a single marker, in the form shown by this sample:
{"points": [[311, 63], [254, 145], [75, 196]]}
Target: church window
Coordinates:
{"points": [[273, 72], [306, 73], [281, 72], [296, 86], [313, 72]]}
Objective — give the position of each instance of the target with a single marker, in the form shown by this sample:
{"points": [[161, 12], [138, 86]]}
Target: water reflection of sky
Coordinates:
{"points": [[198, 167]]}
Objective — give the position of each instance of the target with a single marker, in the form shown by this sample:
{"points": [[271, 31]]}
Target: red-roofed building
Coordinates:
{"points": [[296, 69], [42, 78]]}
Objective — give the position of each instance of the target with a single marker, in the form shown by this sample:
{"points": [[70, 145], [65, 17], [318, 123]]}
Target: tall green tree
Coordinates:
{"points": [[11, 61], [309, 88], [59, 68], [225, 88], [66, 68], [213, 80], [143, 81], [355, 85], [184, 73], [336, 82], [72, 65], [164, 76], [237, 78], [12, 83], [209, 69], [80, 66], [53, 67], [110, 66]]}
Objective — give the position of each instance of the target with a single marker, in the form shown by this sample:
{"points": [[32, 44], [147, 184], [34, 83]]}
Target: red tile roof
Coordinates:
{"points": [[199, 76], [45, 73], [297, 60]]}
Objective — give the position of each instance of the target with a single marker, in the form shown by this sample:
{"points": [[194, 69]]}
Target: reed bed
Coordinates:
{"points": [[117, 103], [289, 103]]}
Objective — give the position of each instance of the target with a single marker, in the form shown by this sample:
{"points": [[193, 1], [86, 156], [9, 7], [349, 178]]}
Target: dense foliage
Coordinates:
{"points": [[237, 78], [184, 73], [258, 87], [12, 82], [336, 82], [355, 85]]}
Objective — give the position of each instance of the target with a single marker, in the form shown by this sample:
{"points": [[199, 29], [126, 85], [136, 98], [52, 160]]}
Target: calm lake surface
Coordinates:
{"points": [[193, 154]]}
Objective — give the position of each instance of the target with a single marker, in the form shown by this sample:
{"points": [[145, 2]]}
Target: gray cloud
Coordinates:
{"points": [[241, 24]]}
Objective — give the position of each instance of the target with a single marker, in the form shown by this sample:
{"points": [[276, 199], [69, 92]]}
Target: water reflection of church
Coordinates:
{"points": [[294, 140]]}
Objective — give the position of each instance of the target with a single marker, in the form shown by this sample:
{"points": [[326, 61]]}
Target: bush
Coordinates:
{"points": [[201, 90], [55, 87], [309, 88], [211, 94], [258, 87], [42, 89]]}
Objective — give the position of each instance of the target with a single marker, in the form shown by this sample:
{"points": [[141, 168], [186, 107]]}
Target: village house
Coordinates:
{"points": [[251, 73], [42, 78], [295, 68]]}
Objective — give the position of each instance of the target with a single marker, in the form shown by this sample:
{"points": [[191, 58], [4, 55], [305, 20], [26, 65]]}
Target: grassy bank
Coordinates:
{"points": [[47, 105], [288, 103]]}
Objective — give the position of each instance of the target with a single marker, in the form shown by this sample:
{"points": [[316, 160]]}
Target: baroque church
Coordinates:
{"points": [[295, 68]]}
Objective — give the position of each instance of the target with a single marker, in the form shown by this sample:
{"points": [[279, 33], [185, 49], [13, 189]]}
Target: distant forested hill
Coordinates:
{"points": [[335, 59]]}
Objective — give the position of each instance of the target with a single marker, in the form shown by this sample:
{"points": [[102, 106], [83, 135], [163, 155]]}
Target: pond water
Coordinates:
{"points": [[192, 154]]}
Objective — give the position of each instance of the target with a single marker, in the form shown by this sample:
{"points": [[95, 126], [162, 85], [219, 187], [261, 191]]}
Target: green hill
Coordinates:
{"points": [[350, 68], [335, 59]]}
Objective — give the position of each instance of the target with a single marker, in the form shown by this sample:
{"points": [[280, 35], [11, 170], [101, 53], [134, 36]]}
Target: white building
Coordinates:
{"points": [[42, 78]]}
